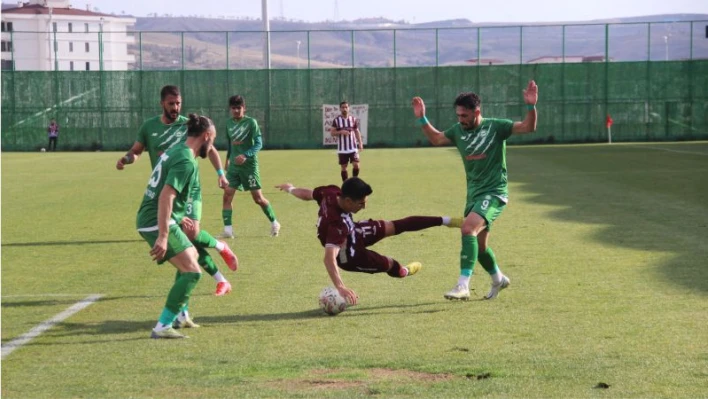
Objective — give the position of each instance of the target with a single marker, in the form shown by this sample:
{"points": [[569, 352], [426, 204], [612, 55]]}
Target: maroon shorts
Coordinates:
{"points": [[347, 158], [356, 257]]}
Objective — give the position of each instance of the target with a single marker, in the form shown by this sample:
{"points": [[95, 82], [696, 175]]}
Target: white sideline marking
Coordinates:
{"points": [[47, 324]]}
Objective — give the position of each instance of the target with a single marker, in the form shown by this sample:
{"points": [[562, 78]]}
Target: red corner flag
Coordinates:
{"points": [[608, 121]]}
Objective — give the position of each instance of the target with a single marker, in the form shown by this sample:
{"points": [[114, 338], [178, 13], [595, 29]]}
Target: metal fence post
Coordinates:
{"points": [[56, 61], [140, 49], [101, 90], [563, 44], [690, 45], [12, 50], [394, 48], [308, 50], [227, 52], [521, 45], [352, 45], [437, 47], [607, 67]]}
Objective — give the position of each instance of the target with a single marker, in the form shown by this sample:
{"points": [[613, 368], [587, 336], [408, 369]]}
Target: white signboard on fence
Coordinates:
{"points": [[331, 111]]}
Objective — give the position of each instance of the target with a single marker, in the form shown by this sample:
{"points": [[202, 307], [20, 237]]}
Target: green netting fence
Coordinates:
{"points": [[648, 101]]}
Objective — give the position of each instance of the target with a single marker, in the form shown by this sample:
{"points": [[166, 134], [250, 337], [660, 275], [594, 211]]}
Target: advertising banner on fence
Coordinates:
{"points": [[331, 111]]}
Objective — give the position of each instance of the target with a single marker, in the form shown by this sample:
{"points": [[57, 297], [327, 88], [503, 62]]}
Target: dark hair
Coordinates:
{"points": [[236, 101], [169, 90], [356, 189], [468, 100], [343, 102], [198, 124]]}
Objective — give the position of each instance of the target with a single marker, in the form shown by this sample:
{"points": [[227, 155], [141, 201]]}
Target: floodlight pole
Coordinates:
{"points": [[266, 29]]}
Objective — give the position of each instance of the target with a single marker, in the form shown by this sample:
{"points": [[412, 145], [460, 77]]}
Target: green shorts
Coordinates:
{"points": [[177, 241], [244, 179], [193, 210], [487, 206]]}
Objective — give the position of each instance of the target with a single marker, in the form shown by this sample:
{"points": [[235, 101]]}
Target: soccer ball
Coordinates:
{"points": [[331, 302], [42, 149]]}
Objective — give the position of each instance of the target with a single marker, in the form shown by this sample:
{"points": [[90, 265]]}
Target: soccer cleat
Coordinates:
{"points": [[168, 333], [455, 223], [229, 257], [186, 322], [494, 291], [222, 288], [226, 234], [413, 268], [274, 229], [459, 292]]}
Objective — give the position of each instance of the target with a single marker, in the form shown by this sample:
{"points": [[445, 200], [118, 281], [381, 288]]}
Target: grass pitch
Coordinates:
{"points": [[605, 246]]}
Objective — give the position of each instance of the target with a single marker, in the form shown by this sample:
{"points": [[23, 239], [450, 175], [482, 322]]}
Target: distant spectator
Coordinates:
{"points": [[53, 132]]}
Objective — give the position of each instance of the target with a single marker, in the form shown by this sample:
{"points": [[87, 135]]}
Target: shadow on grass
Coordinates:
{"points": [[59, 243], [117, 327], [645, 199]]}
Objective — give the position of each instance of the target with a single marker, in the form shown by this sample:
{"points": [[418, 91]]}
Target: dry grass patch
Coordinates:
{"points": [[344, 379]]}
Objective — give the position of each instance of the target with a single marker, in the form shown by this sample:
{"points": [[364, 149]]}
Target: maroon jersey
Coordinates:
{"points": [[336, 228], [334, 225]]}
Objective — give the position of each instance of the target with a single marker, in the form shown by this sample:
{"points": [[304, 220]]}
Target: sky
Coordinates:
{"points": [[412, 11]]}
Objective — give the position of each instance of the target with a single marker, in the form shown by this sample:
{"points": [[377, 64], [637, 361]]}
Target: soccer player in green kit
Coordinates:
{"points": [[168, 198], [245, 140], [160, 133], [482, 146]]}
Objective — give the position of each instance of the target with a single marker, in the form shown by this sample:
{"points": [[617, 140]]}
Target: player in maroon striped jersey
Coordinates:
{"points": [[346, 241], [345, 128]]}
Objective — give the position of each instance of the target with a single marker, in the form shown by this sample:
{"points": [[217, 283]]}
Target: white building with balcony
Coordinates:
{"points": [[48, 35]]}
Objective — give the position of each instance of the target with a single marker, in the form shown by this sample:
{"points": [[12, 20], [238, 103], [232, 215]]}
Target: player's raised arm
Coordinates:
{"points": [[528, 125], [304, 194], [435, 136]]}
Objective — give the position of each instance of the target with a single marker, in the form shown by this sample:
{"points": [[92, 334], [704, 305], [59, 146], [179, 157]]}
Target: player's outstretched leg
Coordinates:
{"points": [[398, 271], [415, 223]]}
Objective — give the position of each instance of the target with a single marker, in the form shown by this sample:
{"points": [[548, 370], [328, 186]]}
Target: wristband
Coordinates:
{"points": [[127, 160], [290, 190], [220, 172], [423, 121], [530, 107]]}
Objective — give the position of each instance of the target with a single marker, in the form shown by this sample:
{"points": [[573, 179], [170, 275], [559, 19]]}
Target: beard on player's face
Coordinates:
{"points": [[170, 115], [204, 150]]}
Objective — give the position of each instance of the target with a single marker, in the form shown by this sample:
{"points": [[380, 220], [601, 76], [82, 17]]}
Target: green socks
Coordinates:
{"points": [[205, 240], [206, 261], [226, 215], [268, 210], [179, 296], [468, 255], [489, 261]]}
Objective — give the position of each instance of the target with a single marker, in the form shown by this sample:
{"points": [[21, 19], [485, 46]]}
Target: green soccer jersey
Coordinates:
{"points": [[177, 168], [157, 137], [242, 135], [483, 152]]}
